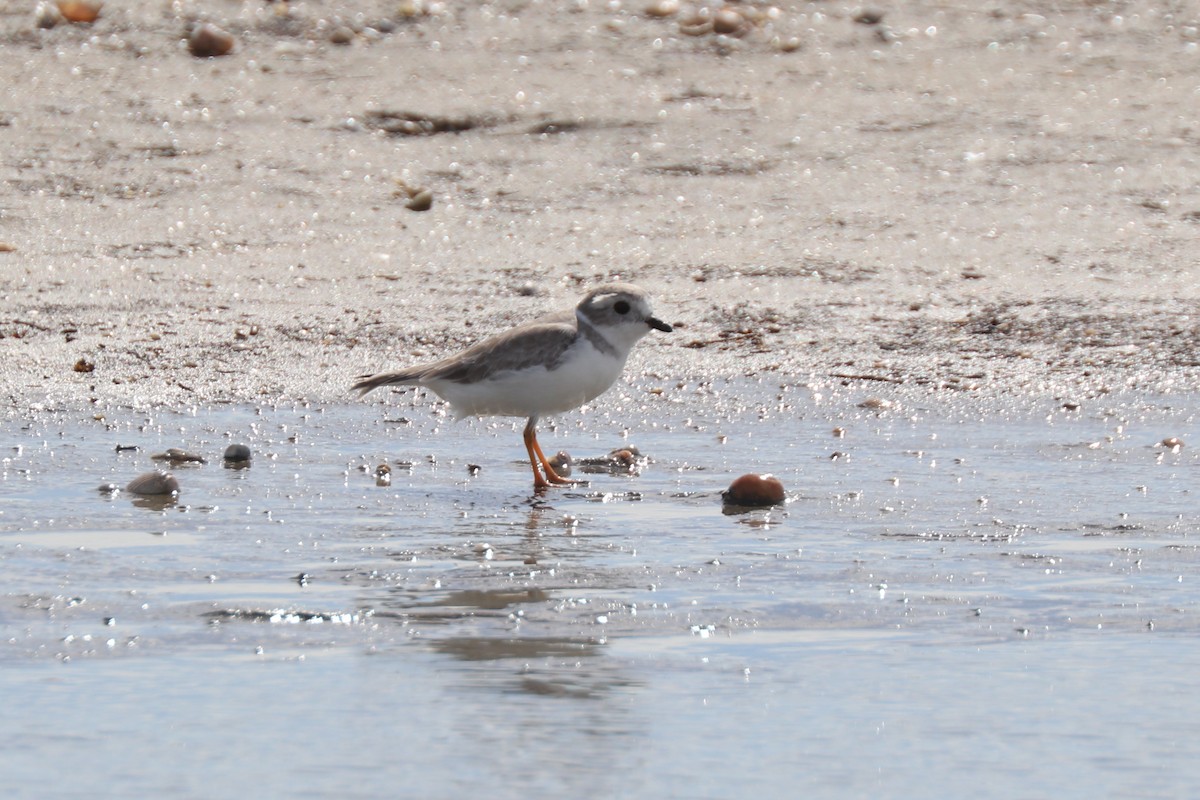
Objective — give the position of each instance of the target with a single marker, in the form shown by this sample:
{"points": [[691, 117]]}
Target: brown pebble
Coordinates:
{"points": [[45, 16], [727, 21], [178, 456], [208, 41], [83, 365], [754, 490], [1173, 442], [662, 8], [342, 34], [623, 457], [79, 10], [868, 16], [153, 483], [383, 475], [561, 463], [420, 200]]}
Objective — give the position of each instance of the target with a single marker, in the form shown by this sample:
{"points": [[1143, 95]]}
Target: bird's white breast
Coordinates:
{"points": [[582, 374]]}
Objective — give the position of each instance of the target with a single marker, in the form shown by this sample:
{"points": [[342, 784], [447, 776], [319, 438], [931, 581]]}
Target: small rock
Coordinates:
{"points": [[83, 365], [754, 491], [728, 21], [47, 15], [561, 463], [420, 200], [342, 34], [623, 456], [1173, 443], [662, 8], [474, 469], [383, 475], [208, 41], [108, 488], [177, 456], [237, 453], [620, 460], [868, 16], [153, 483], [80, 10]]}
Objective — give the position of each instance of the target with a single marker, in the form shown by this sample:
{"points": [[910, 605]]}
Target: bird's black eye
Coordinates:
{"points": [[621, 307]]}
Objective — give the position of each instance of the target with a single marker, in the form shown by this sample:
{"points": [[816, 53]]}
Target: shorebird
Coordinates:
{"points": [[552, 364]]}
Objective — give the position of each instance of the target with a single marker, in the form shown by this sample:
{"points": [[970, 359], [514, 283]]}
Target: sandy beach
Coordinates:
{"points": [[930, 197]]}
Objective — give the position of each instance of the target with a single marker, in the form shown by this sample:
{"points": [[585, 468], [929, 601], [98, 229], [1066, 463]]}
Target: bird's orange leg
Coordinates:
{"points": [[531, 447], [536, 457]]}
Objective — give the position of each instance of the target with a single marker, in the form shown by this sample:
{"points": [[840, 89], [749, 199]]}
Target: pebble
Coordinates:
{"points": [[619, 460], [1172, 442], [754, 490], [208, 41], [868, 16], [47, 15], [662, 8], [153, 483], [420, 200], [728, 21], [237, 452], [561, 463], [383, 475], [342, 34], [80, 10], [177, 456]]}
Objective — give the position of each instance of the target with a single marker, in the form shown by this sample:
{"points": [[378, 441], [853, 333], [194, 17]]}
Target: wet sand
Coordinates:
{"points": [[1001, 604], [985, 200]]}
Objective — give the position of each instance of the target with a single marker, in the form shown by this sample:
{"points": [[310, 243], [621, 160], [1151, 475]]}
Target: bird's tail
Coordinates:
{"points": [[368, 382]]}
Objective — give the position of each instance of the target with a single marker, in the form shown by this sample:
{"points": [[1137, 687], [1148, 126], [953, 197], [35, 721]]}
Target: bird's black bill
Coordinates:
{"points": [[658, 325]]}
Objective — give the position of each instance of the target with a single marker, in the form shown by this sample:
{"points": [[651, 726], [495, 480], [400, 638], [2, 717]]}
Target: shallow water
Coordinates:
{"points": [[956, 599]]}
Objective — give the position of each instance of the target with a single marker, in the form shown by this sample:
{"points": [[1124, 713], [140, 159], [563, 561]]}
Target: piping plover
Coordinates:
{"points": [[553, 364]]}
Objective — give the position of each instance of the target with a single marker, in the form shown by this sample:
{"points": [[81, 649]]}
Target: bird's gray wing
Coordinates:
{"points": [[542, 341]]}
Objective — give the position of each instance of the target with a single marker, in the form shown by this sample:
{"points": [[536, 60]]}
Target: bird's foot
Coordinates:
{"points": [[554, 479]]}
